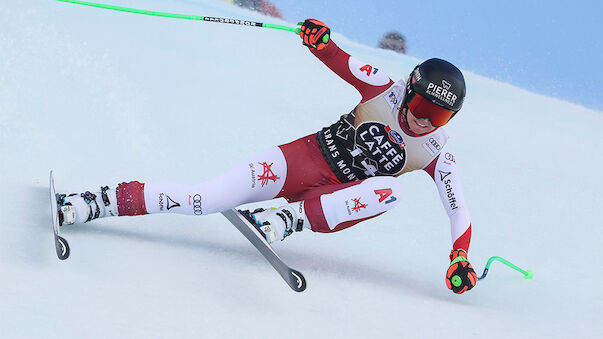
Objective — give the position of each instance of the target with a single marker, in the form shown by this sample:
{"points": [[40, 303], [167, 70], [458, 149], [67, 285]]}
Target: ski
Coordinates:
{"points": [[61, 245], [293, 278]]}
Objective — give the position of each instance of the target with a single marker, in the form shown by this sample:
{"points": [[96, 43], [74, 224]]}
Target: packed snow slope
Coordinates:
{"points": [[102, 97]]}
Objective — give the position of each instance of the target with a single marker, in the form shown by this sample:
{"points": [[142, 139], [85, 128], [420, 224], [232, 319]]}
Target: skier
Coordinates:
{"points": [[333, 179]]}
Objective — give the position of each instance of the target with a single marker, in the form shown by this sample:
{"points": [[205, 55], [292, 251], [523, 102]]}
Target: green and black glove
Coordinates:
{"points": [[460, 276], [315, 33]]}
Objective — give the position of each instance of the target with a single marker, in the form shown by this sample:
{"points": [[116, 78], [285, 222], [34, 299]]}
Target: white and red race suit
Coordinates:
{"points": [[343, 174]]}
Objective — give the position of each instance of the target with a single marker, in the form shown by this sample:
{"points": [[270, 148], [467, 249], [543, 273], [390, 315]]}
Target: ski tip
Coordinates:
{"points": [[298, 282], [62, 248]]}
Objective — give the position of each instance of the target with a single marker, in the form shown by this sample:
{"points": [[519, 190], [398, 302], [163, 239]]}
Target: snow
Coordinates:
{"points": [[102, 97]]}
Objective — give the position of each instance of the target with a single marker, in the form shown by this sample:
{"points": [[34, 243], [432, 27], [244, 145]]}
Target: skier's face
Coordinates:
{"points": [[418, 125]]}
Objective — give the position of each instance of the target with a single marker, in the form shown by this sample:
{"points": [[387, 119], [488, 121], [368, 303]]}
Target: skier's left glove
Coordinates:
{"points": [[315, 33], [460, 276]]}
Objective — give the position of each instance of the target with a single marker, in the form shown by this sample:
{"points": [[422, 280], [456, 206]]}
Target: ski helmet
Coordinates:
{"points": [[435, 90]]}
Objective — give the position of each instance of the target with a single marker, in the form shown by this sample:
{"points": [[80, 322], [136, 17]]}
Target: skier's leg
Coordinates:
{"points": [[336, 208], [346, 207], [282, 171], [259, 178]]}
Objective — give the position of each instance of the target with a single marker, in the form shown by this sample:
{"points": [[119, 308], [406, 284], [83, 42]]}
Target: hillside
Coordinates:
{"points": [[102, 97]]}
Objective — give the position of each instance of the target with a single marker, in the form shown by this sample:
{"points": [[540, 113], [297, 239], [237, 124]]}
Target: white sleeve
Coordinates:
{"points": [[449, 186]]}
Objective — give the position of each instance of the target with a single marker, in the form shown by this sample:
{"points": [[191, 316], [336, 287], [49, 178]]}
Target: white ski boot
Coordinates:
{"points": [[87, 206], [278, 223]]}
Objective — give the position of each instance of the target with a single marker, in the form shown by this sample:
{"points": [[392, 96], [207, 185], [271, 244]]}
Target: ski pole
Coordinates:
{"points": [[295, 30], [526, 274]]}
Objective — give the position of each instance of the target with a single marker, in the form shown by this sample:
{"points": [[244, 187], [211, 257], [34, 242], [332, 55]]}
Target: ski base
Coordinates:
{"points": [[292, 277], [61, 245]]}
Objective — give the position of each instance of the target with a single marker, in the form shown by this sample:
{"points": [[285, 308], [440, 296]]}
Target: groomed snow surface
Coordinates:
{"points": [[103, 97]]}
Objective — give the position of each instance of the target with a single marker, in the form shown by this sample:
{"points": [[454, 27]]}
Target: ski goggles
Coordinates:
{"points": [[423, 108]]}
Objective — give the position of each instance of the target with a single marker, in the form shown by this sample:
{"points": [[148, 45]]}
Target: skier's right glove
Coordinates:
{"points": [[315, 33], [460, 276]]}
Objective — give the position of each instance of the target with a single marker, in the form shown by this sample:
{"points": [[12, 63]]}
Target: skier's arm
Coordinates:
{"points": [[367, 79], [444, 173], [460, 275]]}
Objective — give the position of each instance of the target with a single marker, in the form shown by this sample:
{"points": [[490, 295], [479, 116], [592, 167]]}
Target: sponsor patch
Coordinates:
{"points": [[161, 203], [442, 92], [448, 187], [393, 96], [386, 156], [395, 136], [354, 205], [358, 205], [195, 201], [171, 203], [450, 194], [268, 175], [417, 75], [384, 194], [253, 176], [432, 146], [392, 99], [443, 175], [367, 73], [449, 157]]}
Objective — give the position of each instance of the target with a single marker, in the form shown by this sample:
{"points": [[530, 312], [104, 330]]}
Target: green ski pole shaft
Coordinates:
{"points": [[184, 16], [526, 274]]}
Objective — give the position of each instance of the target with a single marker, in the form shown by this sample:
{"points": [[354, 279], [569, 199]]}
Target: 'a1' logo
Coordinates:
{"points": [[384, 194], [368, 69]]}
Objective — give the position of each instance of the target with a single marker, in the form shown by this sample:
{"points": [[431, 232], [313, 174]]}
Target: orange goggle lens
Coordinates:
{"points": [[422, 108]]}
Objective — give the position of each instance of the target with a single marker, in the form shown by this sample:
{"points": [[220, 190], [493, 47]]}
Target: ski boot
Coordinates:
{"points": [[87, 206], [278, 223]]}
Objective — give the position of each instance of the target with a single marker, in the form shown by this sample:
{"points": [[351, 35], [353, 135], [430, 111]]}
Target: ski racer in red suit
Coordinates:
{"points": [[333, 179]]}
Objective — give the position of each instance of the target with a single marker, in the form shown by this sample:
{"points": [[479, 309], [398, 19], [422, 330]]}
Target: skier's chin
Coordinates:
{"points": [[418, 126]]}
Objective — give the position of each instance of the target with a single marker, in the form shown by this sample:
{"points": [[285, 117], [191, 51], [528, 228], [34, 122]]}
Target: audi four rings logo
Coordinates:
{"points": [[435, 143], [197, 204]]}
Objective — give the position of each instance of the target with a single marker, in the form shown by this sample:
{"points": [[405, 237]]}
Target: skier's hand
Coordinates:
{"points": [[315, 34], [460, 276]]}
